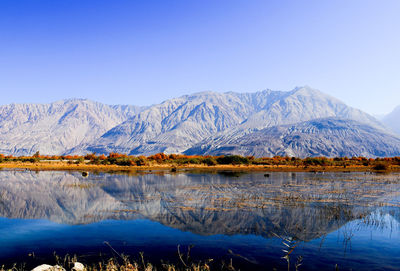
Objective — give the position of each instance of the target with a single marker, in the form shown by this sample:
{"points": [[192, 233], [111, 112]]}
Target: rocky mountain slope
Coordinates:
{"points": [[330, 137], [178, 124], [54, 128], [175, 124], [392, 120], [302, 104]]}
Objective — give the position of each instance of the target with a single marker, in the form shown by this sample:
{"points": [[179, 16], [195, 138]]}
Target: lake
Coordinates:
{"points": [[257, 221]]}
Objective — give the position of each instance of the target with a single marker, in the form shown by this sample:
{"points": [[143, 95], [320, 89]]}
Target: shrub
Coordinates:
{"points": [[124, 162], [210, 161], [90, 156], [95, 160], [195, 161], [116, 155], [316, 161], [232, 159], [141, 161], [80, 160], [159, 157]]}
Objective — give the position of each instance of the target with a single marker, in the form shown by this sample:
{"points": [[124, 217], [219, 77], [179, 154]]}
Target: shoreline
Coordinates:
{"points": [[64, 166]]}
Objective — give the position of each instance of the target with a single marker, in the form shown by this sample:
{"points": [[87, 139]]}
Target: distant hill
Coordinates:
{"points": [[199, 123], [392, 120]]}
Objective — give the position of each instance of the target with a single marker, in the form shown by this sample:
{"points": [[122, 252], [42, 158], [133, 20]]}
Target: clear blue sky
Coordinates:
{"points": [[143, 52]]}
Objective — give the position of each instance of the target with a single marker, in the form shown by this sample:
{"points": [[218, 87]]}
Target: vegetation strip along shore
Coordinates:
{"points": [[161, 161]]}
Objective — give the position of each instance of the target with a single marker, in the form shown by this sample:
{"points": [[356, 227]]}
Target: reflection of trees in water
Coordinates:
{"points": [[228, 173]]}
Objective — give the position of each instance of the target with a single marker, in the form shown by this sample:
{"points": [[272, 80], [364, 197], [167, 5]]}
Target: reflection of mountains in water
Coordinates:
{"points": [[302, 205]]}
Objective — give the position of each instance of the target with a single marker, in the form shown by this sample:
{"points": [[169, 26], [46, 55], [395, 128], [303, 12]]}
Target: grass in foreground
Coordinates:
{"points": [[123, 263]]}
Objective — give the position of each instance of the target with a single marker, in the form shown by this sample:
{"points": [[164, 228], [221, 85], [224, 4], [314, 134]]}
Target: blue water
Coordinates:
{"points": [[48, 212]]}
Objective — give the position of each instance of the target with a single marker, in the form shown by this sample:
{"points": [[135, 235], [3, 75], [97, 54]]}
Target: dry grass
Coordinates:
{"points": [[63, 165]]}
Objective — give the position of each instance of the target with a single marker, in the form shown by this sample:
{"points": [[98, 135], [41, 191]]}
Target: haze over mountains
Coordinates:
{"points": [[302, 122]]}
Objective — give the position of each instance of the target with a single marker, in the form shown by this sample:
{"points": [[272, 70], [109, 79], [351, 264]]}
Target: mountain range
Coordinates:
{"points": [[302, 122]]}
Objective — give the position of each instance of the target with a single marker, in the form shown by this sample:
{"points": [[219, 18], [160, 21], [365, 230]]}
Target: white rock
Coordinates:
{"points": [[43, 267], [78, 267], [46, 267]]}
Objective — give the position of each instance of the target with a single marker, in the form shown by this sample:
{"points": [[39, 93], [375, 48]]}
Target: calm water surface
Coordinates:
{"points": [[345, 219]]}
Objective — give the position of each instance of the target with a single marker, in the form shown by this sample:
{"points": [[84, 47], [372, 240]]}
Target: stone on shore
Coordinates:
{"points": [[78, 267], [46, 267]]}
